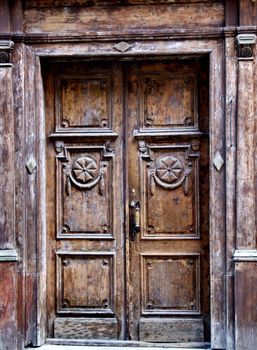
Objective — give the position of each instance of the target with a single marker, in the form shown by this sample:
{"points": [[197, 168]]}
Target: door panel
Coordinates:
{"points": [[127, 200], [85, 262], [167, 115]]}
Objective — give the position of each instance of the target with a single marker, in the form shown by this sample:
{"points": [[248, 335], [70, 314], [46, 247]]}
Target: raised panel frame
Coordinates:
{"points": [[63, 182], [142, 103], [106, 310], [169, 312], [147, 157], [63, 126]]}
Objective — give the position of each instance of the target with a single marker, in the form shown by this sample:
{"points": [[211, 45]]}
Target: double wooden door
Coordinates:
{"points": [[127, 200]]}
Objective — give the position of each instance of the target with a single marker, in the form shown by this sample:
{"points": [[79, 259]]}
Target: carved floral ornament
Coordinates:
{"points": [[85, 174], [84, 171], [169, 171]]}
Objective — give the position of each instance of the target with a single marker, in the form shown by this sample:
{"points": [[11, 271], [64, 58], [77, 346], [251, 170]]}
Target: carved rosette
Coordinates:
{"points": [[169, 173], [85, 174], [84, 171]]}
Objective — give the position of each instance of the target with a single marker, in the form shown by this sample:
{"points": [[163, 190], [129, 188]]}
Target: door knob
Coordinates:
{"points": [[134, 219]]}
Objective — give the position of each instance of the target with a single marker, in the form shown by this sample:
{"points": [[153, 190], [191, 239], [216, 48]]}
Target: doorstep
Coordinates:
{"points": [[82, 347]]}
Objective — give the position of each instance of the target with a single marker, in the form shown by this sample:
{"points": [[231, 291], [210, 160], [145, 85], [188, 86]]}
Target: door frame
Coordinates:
{"points": [[35, 152]]}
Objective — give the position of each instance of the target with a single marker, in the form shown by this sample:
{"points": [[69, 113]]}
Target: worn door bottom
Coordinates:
{"points": [[75, 347], [75, 344]]}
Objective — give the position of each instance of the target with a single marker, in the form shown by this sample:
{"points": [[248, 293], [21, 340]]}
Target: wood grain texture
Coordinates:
{"points": [[231, 98], [5, 16], [167, 201], [217, 201], [84, 280], [7, 173], [16, 15], [8, 311], [232, 12], [89, 328], [77, 3], [137, 17], [246, 200], [248, 13], [86, 283], [172, 330], [245, 312]]}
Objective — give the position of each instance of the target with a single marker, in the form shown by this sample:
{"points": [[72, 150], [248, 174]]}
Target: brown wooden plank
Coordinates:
{"points": [[31, 143], [78, 3], [85, 328], [231, 109], [172, 330], [106, 18], [247, 10], [5, 16], [217, 202], [7, 173], [18, 98], [232, 12], [245, 301], [246, 201], [8, 312], [16, 15]]}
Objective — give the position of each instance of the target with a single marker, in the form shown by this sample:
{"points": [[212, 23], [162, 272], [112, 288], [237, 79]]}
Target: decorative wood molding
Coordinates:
{"points": [[8, 255], [167, 34], [245, 255], [245, 44], [5, 48]]}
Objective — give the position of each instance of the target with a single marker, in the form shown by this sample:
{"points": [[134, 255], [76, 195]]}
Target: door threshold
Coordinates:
{"points": [[126, 343], [94, 347], [117, 347], [73, 344]]}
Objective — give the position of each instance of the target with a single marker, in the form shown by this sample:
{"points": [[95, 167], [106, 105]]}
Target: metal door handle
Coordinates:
{"points": [[134, 219]]}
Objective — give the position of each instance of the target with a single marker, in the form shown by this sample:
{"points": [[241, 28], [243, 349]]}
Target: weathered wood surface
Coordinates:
{"points": [[86, 263], [247, 13], [245, 309], [231, 109], [246, 124], [86, 3], [94, 19], [232, 12], [165, 275], [217, 201], [172, 330], [85, 328], [7, 172], [18, 109], [8, 299]]}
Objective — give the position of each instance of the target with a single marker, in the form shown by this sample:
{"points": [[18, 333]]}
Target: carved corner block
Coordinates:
{"points": [[245, 46], [5, 49]]}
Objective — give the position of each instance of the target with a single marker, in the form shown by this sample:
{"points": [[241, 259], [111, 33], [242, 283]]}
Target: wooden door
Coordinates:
{"points": [[127, 200], [167, 116]]}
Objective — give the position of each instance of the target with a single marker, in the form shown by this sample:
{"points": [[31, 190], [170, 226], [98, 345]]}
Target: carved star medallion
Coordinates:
{"points": [[169, 169], [84, 169]]}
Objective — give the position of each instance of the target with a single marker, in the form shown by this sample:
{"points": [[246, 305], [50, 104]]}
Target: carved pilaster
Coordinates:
{"points": [[5, 50], [246, 124], [245, 44]]}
